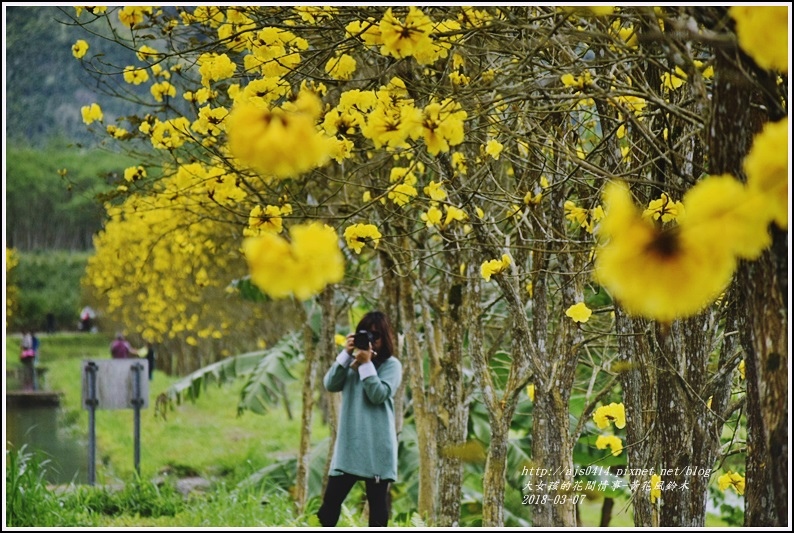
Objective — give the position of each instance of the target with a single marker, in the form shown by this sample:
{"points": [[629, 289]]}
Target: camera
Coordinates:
{"points": [[363, 339]]}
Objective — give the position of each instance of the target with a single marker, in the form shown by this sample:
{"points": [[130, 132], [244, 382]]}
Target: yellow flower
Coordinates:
{"points": [[368, 31], [442, 125], [164, 88], [263, 220], [614, 412], [732, 479], [132, 15], [302, 267], [340, 339], [662, 274], [146, 52], [722, 214], [579, 312], [454, 213], [763, 34], [432, 217], [358, 235], [215, 67], [531, 392], [134, 173], [79, 48], [611, 441], [266, 139], [402, 193], [663, 208], [435, 191], [494, 148], [135, 75], [494, 266], [91, 113], [767, 169], [656, 487], [673, 81], [341, 67], [741, 368], [410, 37]]}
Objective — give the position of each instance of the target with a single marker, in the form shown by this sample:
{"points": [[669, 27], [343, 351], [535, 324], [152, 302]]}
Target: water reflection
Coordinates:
{"points": [[42, 430]]}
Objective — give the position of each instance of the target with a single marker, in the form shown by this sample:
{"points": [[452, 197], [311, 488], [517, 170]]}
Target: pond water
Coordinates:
{"points": [[42, 430]]}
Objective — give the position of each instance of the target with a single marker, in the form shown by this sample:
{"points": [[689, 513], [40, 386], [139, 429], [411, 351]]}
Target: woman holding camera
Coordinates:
{"points": [[368, 376]]}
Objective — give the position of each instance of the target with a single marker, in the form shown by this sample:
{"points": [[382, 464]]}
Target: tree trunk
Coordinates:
{"points": [[453, 406], [309, 387], [493, 483], [740, 108], [424, 415], [638, 380], [551, 452], [764, 337]]}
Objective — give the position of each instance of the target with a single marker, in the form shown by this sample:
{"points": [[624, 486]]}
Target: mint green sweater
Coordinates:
{"points": [[366, 441]]}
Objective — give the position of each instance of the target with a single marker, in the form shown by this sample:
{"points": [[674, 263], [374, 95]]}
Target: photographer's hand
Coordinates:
{"points": [[362, 356]]}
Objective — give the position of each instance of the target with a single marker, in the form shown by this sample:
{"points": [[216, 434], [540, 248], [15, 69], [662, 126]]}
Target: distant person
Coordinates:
{"points": [[50, 323], [120, 348], [27, 356], [87, 316], [148, 352], [35, 344]]}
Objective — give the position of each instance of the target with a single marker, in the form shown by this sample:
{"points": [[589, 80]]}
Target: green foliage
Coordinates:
{"points": [[28, 502], [48, 282], [64, 185], [138, 498]]}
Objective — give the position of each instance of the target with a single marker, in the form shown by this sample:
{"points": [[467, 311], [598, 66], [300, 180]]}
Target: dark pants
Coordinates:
{"points": [[337, 490], [28, 373]]}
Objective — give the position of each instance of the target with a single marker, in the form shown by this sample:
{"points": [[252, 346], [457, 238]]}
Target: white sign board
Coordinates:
{"points": [[115, 383]]}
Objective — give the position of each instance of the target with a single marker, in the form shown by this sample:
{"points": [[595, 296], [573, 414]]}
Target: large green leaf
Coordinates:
{"points": [[221, 372], [266, 384], [267, 371]]}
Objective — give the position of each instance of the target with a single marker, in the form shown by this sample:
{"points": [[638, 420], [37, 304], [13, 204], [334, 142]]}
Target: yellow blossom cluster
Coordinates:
{"points": [[131, 16], [610, 441], [579, 312], [606, 414], [341, 67], [731, 479], [302, 266], [763, 33], [135, 75], [584, 218], [411, 36], [268, 219], [266, 139], [161, 286], [494, 266], [79, 48], [169, 134], [358, 235], [664, 209], [91, 113], [666, 273]]}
